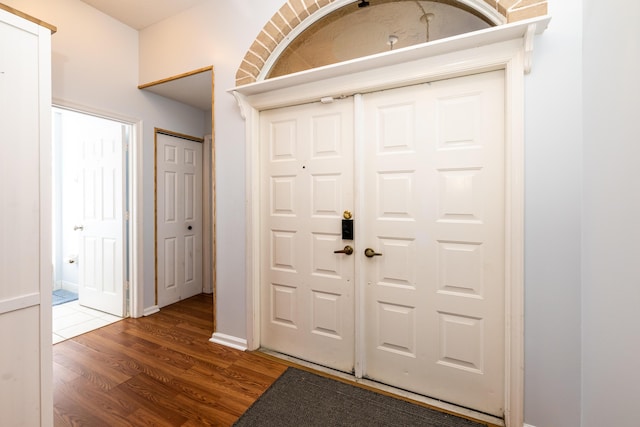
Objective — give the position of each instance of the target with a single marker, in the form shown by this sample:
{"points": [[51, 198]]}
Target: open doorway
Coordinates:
{"points": [[90, 230]]}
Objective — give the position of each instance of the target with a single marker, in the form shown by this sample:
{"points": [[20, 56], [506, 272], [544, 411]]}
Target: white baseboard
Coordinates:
{"points": [[150, 310], [527, 425], [229, 341]]}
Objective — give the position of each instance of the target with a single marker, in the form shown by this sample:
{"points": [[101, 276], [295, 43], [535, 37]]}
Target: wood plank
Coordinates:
{"points": [[70, 408], [152, 395], [159, 370], [83, 362], [144, 417], [176, 77], [112, 407], [16, 12]]}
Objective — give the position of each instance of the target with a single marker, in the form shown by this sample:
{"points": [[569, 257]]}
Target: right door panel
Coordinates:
{"points": [[434, 200]]}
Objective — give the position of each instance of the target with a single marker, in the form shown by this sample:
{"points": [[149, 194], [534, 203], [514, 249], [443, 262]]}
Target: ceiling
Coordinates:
{"points": [[193, 88], [140, 14]]}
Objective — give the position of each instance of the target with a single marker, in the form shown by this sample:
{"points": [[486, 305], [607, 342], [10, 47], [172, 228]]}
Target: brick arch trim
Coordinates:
{"points": [[289, 19]]}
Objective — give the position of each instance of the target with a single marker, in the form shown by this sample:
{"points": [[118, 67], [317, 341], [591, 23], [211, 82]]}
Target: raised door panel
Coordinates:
{"points": [[191, 199], [435, 298], [101, 257], [169, 220], [179, 218], [307, 299]]}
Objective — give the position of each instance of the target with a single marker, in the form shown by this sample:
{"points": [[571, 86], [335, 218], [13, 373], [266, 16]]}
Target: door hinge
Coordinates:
{"points": [[126, 216]]}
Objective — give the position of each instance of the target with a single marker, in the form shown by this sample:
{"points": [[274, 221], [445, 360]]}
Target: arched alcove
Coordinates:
{"points": [[296, 16]]}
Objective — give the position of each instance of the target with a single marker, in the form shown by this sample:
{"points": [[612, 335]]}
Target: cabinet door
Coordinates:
{"points": [[25, 245]]}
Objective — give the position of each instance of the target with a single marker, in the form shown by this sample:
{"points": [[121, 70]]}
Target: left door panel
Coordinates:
{"points": [[307, 289]]}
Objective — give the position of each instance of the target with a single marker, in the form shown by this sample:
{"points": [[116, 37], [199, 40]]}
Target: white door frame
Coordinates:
{"points": [[508, 47], [134, 238]]}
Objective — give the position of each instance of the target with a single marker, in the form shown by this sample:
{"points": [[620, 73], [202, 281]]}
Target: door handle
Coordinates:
{"points": [[348, 250], [370, 253], [78, 227]]}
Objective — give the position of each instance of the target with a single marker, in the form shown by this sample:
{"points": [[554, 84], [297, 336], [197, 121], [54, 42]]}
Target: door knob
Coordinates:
{"points": [[189, 227], [347, 250], [370, 253], [78, 227]]}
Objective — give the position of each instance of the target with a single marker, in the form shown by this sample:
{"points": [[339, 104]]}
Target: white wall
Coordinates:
{"points": [[611, 231], [582, 334], [220, 32], [95, 64], [553, 221], [217, 32], [66, 198]]}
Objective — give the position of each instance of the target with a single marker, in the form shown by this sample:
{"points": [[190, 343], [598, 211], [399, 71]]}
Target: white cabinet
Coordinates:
{"points": [[25, 221]]}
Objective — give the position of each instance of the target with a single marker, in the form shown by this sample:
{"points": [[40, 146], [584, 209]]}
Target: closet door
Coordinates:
{"points": [[307, 290], [179, 218], [25, 223], [434, 215]]}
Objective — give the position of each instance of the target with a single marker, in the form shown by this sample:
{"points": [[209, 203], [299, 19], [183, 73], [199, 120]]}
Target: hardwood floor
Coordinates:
{"points": [[159, 370]]}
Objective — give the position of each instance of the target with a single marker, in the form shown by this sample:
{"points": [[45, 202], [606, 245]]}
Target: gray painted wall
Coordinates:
{"points": [[95, 65], [553, 221], [553, 183], [582, 335], [611, 215]]}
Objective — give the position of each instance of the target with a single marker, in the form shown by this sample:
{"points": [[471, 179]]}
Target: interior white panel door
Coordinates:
{"points": [[307, 290], [179, 218], [434, 298], [102, 185]]}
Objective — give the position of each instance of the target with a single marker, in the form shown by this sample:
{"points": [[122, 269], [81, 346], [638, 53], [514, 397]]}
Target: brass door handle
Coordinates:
{"points": [[370, 253], [347, 250]]}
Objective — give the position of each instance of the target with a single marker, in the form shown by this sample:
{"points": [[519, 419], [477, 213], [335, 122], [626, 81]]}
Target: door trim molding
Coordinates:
{"points": [[506, 47], [135, 240]]}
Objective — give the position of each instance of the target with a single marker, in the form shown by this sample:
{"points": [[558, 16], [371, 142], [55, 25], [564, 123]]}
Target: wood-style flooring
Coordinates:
{"points": [[159, 370]]}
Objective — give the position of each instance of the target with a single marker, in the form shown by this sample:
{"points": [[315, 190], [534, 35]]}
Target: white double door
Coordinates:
{"points": [[179, 218], [421, 168]]}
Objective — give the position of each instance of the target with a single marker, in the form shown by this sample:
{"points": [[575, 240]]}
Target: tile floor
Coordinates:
{"points": [[71, 319]]}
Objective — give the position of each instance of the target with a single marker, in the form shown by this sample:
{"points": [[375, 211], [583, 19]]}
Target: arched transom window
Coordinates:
{"points": [[306, 34]]}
